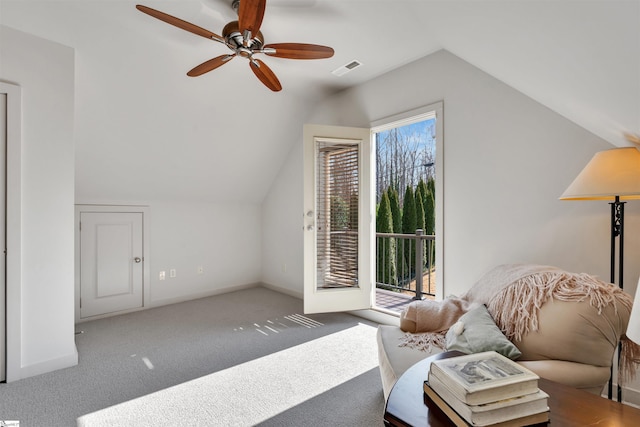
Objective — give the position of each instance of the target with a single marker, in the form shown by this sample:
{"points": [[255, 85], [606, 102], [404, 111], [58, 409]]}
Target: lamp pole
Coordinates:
{"points": [[617, 231], [617, 228]]}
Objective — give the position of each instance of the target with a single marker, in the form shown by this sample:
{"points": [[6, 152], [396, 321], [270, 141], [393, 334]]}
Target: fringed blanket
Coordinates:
{"points": [[426, 322], [424, 341], [513, 295]]}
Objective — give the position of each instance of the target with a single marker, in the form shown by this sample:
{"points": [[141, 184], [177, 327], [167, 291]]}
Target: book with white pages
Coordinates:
{"points": [[494, 412], [484, 377]]}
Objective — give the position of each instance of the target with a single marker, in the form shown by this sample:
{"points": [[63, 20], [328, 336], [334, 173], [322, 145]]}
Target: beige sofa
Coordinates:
{"points": [[565, 325]]}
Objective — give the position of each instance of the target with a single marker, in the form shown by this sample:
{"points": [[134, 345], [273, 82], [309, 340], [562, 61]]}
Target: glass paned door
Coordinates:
{"points": [[338, 226]]}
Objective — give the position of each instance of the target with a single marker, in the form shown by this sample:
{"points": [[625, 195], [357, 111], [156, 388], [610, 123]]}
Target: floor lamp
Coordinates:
{"points": [[610, 175]]}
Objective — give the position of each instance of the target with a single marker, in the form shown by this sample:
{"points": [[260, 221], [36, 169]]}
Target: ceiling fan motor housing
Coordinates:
{"points": [[235, 41]]}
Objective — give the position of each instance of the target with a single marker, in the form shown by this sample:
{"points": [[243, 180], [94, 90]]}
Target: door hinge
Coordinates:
{"points": [[80, 302], [80, 226]]}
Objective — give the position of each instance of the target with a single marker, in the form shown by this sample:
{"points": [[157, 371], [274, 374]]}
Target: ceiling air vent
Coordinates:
{"points": [[346, 68]]}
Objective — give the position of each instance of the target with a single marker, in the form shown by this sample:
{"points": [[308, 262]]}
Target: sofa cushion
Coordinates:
{"points": [[476, 332]]}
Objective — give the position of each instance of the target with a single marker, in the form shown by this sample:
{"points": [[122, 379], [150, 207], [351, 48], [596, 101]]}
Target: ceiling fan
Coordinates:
{"points": [[244, 39]]}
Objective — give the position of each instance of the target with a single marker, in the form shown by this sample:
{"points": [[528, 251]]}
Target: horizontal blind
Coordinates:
{"points": [[337, 215]]}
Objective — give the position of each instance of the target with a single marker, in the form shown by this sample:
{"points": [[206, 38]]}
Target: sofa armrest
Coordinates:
{"points": [[393, 359]]}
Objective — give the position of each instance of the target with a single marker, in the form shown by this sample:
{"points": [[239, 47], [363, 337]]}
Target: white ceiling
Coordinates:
{"points": [[183, 136]]}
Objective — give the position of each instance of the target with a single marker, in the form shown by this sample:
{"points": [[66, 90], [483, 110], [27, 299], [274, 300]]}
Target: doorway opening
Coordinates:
{"points": [[406, 194]]}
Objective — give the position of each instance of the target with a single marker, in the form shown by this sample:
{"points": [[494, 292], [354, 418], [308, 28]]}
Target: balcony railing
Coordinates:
{"points": [[405, 263]]}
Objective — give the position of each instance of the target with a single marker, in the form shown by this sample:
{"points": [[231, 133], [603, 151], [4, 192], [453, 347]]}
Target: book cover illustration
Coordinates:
{"points": [[484, 370]]}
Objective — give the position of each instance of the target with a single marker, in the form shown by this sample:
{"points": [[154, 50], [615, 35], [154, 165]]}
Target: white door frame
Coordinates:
{"points": [[14, 229], [144, 209]]}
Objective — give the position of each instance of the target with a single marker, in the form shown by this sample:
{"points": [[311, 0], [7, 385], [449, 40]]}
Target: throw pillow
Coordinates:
{"points": [[476, 331]]}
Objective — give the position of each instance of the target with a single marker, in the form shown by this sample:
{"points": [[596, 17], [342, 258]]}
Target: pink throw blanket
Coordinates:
{"points": [[433, 316], [426, 322]]}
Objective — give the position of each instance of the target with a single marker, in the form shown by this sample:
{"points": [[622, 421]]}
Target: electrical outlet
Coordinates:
{"points": [[172, 273], [161, 276], [201, 270]]}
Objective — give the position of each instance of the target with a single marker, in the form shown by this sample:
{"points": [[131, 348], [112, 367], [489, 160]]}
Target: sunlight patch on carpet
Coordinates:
{"points": [[254, 391]]}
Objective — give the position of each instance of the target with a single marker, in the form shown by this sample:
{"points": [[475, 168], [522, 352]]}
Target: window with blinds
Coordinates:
{"points": [[337, 215]]}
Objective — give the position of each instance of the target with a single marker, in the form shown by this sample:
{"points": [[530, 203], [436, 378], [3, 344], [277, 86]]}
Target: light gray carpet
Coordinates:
{"points": [[243, 358]]}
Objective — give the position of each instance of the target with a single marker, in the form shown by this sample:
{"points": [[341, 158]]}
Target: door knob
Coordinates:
{"points": [[137, 260]]}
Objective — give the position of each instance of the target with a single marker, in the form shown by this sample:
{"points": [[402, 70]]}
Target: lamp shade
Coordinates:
{"points": [[633, 329], [610, 173]]}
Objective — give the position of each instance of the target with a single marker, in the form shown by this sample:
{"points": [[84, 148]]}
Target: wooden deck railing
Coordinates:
{"points": [[404, 262]]}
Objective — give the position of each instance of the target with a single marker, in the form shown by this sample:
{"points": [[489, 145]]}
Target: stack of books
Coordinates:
{"points": [[486, 389]]}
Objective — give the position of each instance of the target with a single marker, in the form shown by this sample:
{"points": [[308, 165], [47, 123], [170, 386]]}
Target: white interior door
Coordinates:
{"points": [[3, 240], [111, 262], [338, 219]]}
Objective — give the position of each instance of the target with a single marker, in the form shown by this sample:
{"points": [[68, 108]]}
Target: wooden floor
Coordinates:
{"points": [[392, 301]]}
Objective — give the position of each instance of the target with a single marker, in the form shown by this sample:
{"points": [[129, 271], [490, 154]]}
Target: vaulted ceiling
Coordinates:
{"points": [[224, 136]]}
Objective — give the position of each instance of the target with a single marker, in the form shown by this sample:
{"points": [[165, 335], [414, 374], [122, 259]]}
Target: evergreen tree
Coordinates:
{"points": [[423, 190], [431, 185], [396, 215], [420, 223], [419, 211], [409, 225], [386, 252], [430, 215], [409, 220]]}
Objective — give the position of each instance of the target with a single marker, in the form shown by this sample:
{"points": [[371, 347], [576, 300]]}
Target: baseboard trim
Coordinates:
{"points": [[191, 297], [169, 301], [49, 365], [378, 316], [631, 397], [282, 290]]}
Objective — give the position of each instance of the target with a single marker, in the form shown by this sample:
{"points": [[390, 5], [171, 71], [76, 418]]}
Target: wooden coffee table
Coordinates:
{"points": [[408, 406]]}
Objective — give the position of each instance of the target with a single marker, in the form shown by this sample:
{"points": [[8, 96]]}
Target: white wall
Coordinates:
{"points": [[45, 72], [223, 238], [282, 228], [507, 159]]}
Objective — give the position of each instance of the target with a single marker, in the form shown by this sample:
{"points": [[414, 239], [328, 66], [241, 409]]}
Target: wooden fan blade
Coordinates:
{"points": [[209, 65], [299, 51], [250, 14], [265, 75], [179, 23]]}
